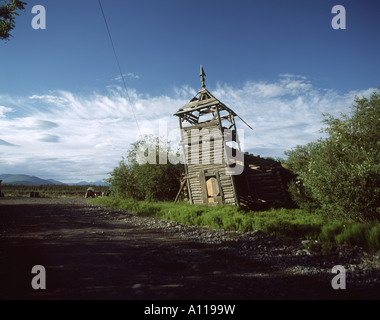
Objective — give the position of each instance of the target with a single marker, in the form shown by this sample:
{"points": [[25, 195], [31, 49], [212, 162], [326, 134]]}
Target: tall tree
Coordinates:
{"points": [[342, 172], [8, 13], [140, 176]]}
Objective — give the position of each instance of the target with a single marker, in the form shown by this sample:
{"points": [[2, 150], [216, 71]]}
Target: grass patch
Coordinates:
{"points": [[49, 191], [363, 235], [286, 223]]}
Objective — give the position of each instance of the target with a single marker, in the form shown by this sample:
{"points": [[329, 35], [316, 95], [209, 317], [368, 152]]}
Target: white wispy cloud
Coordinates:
{"points": [[84, 134], [284, 113], [129, 75], [72, 137], [4, 110]]}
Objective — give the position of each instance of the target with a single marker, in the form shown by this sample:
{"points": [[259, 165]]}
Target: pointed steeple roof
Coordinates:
{"points": [[203, 101]]}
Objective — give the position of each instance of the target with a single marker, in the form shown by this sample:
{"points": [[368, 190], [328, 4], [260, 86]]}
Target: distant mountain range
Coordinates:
{"points": [[23, 179]]}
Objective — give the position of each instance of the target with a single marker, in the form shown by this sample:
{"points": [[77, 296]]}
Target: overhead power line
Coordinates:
{"points": [[118, 64]]}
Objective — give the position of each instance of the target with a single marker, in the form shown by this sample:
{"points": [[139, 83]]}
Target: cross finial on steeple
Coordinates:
{"points": [[202, 75]]}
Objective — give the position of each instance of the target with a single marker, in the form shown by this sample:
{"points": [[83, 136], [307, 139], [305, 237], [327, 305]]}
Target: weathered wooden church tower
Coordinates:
{"points": [[206, 126], [217, 170]]}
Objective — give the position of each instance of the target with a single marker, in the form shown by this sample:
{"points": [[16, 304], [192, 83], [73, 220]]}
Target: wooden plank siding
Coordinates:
{"points": [[215, 164], [264, 182]]}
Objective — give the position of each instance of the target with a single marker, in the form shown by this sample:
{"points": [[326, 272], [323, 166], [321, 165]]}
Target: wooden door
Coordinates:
{"points": [[211, 189]]}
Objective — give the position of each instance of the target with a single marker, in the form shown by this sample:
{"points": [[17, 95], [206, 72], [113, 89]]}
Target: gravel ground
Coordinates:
{"points": [[116, 255], [362, 267]]}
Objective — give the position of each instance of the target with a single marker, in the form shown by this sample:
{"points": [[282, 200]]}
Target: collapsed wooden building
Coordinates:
{"points": [[217, 170]]}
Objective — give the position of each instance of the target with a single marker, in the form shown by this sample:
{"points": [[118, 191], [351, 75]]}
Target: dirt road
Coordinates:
{"points": [[95, 253]]}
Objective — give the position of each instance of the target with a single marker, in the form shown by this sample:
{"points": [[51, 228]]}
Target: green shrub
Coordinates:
{"points": [[330, 231], [341, 173], [151, 181], [353, 235], [373, 237]]}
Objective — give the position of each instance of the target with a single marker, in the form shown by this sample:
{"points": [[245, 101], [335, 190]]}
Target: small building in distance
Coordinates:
{"points": [[217, 170]]}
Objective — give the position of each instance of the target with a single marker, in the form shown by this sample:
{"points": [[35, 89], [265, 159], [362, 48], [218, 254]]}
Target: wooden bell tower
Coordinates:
{"points": [[209, 139], [217, 170]]}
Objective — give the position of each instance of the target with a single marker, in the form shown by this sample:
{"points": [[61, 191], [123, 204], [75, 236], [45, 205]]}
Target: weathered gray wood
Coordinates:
{"points": [[183, 183], [203, 186], [261, 179]]}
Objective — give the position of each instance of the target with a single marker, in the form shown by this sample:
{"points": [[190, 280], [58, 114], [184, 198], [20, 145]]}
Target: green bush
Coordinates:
{"points": [[341, 174], [373, 237], [150, 181], [353, 235], [330, 231]]}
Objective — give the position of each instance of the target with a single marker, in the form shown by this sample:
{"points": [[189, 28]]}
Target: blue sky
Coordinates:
{"points": [[279, 64]]}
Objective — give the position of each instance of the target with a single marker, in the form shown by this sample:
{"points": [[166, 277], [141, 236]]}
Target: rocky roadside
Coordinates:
{"points": [[215, 262], [298, 257]]}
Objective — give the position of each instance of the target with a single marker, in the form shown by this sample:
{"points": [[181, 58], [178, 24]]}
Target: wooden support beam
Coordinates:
{"points": [[180, 190]]}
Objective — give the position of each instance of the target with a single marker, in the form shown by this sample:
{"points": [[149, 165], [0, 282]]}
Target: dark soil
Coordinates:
{"points": [[94, 253]]}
